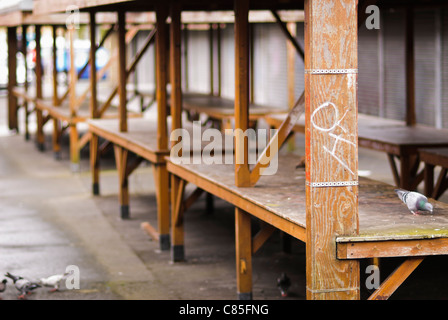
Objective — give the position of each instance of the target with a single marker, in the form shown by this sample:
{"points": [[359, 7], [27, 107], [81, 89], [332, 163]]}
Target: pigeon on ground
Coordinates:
{"points": [[416, 202], [283, 283], [53, 281], [24, 286], [3, 286]]}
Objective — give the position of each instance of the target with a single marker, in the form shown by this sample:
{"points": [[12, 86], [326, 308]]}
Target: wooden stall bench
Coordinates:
{"points": [[386, 227]]}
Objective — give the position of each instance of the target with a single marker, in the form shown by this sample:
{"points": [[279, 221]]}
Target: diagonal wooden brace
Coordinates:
{"points": [[394, 281]]}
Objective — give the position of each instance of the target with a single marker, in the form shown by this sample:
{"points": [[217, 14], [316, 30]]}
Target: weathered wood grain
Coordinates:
{"points": [[332, 146]]}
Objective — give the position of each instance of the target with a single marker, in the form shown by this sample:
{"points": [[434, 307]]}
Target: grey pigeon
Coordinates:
{"points": [[416, 202], [24, 286], [3, 285], [283, 284]]}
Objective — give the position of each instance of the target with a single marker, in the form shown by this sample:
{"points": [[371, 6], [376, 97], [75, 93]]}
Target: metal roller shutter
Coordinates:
{"points": [[369, 72], [270, 66], [425, 66], [394, 64]]}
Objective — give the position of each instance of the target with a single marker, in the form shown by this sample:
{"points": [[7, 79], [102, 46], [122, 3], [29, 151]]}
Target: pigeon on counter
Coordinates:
{"points": [[283, 283], [53, 281], [24, 286], [416, 202]]}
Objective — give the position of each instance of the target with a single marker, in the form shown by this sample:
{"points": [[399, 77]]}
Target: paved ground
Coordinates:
{"points": [[49, 220]]}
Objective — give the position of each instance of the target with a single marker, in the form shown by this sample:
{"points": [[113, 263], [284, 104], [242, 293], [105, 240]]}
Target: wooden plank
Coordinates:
{"points": [[242, 90], [140, 139], [332, 151], [12, 78], [122, 71], [391, 248], [392, 283], [233, 196], [243, 254]]}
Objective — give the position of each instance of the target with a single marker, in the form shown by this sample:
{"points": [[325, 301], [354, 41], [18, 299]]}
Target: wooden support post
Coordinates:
{"points": [[74, 136], [25, 85], [242, 172], [243, 240], [121, 160], [177, 185], [56, 122], [161, 75], [176, 69], [40, 139], [94, 147], [12, 78], [410, 70], [177, 218], [93, 80], [161, 177], [122, 71], [252, 62], [95, 164], [332, 150]]}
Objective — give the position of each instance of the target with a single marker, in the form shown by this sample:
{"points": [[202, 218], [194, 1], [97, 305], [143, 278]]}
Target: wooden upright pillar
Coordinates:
{"points": [[56, 122], [40, 139], [25, 85], [242, 92], [93, 80], [94, 158], [177, 234], [122, 70], [12, 78], [161, 173], [331, 64]]}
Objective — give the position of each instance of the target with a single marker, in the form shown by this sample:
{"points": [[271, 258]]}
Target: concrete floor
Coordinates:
{"points": [[49, 220]]}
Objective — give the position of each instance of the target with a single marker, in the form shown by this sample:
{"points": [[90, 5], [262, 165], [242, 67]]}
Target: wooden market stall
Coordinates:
{"points": [[339, 216], [16, 16]]}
